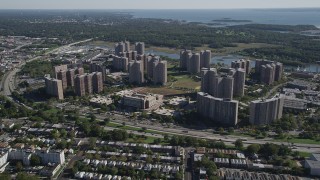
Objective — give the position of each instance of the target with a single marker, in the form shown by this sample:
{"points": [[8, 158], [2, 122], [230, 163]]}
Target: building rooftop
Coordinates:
{"points": [[4, 144], [315, 157], [176, 101], [313, 164], [165, 112], [197, 157], [294, 103], [101, 100], [125, 93]]}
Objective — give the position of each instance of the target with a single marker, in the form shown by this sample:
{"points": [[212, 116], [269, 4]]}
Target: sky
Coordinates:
{"points": [[156, 4]]}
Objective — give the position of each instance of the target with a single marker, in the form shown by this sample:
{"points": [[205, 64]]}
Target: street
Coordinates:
{"points": [[227, 139]]}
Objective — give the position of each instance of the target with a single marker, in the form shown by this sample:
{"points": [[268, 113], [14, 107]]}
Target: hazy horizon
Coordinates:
{"points": [[164, 4], [257, 8]]}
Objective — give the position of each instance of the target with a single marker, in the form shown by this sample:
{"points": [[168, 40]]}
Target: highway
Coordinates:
{"points": [[227, 139], [8, 84]]}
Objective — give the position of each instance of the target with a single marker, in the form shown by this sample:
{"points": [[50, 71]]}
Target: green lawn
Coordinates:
{"points": [[185, 81], [161, 90], [304, 154], [101, 43], [299, 140], [303, 141], [231, 50], [51, 111]]}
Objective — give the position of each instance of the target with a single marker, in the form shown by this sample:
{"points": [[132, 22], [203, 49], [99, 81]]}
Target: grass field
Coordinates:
{"points": [[222, 51], [303, 141], [299, 141], [186, 82], [231, 50], [115, 125], [183, 84], [101, 43], [161, 90], [304, 154]]}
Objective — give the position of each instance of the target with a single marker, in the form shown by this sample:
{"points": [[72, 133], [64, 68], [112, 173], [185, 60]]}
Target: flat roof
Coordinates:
{"points": [[313, 164]]}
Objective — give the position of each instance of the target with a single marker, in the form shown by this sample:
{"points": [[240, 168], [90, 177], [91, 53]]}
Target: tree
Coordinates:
{"points": [[239, 144], [92, 142], [231, 130], [19, 166], [62, 144], [96, 130], [157, 141], [296, 154], [35, 160], [209, 165], [166, 137], [144, 114], [149, 159], [55, 134], [63, 133], [5, 176], [119, 135], [284, 150], [141, 174], [134, 115], [107, 120], [269, 149], [71, 134], [178, 176], [25, 176], [253, 148], [114, 171], [190, 141], [139, 150]]}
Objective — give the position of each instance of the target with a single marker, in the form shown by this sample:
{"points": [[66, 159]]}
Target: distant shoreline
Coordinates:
{"points": [[229, 20]]}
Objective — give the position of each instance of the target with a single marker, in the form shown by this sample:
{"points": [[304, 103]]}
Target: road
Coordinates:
{"points": [[136, 132], [8, 81], [187, 163], [229, 139], [273, 90]]}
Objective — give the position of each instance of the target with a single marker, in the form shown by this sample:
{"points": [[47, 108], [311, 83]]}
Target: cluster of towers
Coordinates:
{"points": [[67, 75], [156, 69], [137, 63], [123, 55], [215, 101], [194, 62], [123, 49], [74, 77], [89, 83], [243, 64], [269, 71], [223, 85], [99, 67], [265, 111]]}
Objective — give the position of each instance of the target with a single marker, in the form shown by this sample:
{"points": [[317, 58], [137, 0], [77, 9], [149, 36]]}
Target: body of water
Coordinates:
{"points": [[307, 16], [226, 61]]}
